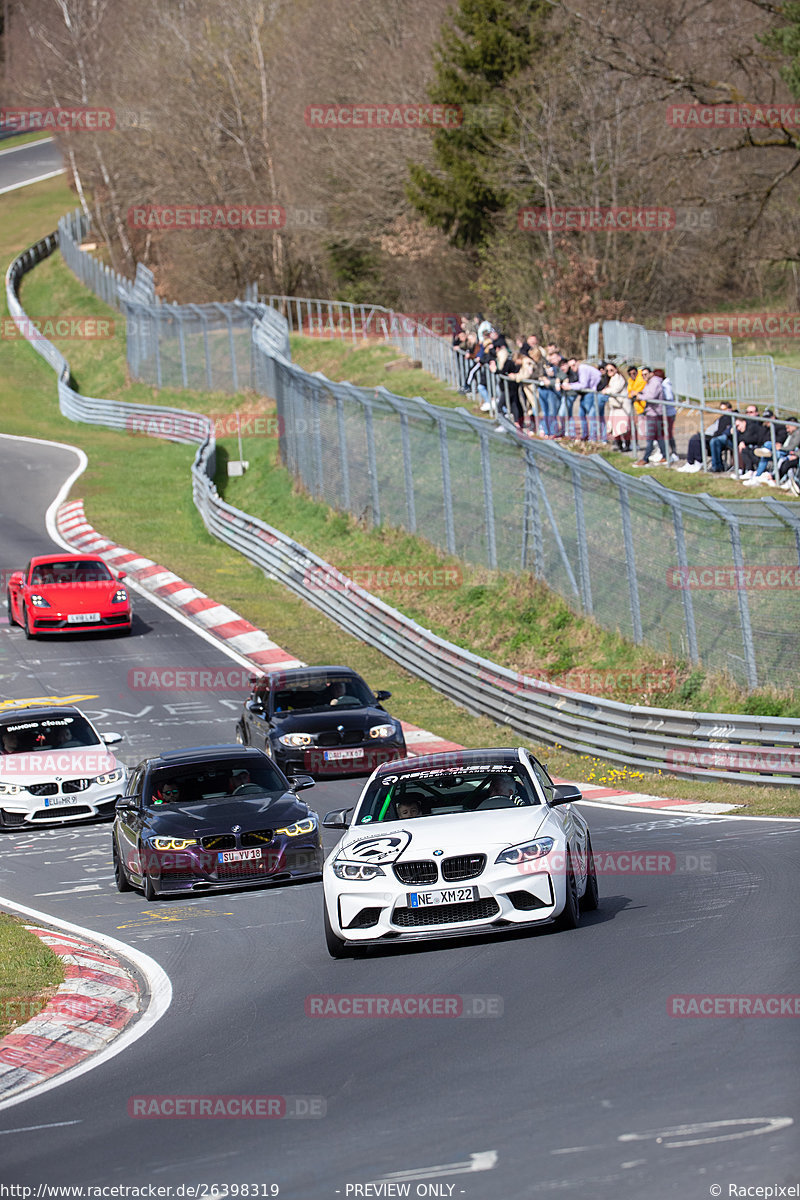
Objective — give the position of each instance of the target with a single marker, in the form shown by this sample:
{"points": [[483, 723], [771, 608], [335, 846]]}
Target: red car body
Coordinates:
{"points": [[68, 593]]}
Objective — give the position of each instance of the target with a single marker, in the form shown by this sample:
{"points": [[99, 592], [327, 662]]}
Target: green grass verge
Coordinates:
{"points": [[153, 514], [23, 139], [29, 973]]}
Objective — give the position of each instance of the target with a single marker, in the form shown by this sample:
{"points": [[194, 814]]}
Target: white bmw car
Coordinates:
{"points": [[464, 842], [55, 767]]}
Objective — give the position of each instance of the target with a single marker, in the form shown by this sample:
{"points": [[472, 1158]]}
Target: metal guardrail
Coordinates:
{"points": [[696, 745]]}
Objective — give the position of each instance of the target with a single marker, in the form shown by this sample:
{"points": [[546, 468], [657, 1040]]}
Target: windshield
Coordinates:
{"points": [[451, 790], [59, 732], [214, 781], [318, 692], [87, 571]]}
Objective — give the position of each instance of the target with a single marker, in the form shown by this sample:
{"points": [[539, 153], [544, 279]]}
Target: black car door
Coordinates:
{"points": [[129, 822], [255, 711]]}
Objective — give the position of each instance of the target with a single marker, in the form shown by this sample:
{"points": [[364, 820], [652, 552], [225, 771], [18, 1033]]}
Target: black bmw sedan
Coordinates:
{"points": [[321, 720], [212, 817]]}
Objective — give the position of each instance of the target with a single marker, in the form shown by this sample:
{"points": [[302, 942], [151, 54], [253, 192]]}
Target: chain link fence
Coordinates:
{"points": [[695, 745], [688, 575]]}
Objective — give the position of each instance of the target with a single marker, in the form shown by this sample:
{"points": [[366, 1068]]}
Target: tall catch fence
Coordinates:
{"points": [[695, 745], [688, 575]]}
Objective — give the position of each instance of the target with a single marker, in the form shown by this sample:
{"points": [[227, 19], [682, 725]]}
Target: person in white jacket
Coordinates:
{"points": [[619, 410]]}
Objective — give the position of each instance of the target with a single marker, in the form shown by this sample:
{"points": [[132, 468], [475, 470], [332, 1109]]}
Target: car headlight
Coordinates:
{"points": [[111, 777], [173, 843], [120, 596], [39, 601], [11, 789], [307, 825], [361, 871], [297, 739], [381, 731], [525, 852]]}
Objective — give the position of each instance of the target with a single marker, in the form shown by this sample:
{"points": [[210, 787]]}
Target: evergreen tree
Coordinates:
{"points": [[484, 45]]}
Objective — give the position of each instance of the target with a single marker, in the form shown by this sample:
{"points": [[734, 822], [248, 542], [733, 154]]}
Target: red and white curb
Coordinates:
{"points": [[98, 998], [254, 645]]}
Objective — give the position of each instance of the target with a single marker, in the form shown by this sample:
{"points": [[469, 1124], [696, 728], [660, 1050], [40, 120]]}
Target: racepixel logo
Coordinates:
{"points": [[727, 579], [373, 575], [59, 120], [596, 219], [384, 116], [34, 329], [764, 1005], [626, 862], [401, 1005], [190, 679], [168, 218], [217, 1107], [736, 325]]}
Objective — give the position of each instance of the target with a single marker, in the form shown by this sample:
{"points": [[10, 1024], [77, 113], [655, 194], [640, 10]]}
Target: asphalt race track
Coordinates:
{"points": [[580, 1083], [26, 164]]}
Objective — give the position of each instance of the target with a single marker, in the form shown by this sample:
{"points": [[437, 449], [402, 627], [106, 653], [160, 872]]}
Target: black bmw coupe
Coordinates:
{"points": [[213, 817], [321, 720]]}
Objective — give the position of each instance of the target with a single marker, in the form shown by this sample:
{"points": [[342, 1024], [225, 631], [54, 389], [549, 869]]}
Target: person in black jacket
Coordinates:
{"points": [[718, 428], [749, 434]]}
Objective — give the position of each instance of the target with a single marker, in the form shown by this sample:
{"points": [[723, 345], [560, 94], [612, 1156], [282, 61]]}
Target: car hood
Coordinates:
{"points": [[78, 598], [218, 816], [84, 763], [316, 722], [454, 834]]}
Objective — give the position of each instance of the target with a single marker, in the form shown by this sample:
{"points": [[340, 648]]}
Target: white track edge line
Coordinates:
{"points": [[159, 1001]]}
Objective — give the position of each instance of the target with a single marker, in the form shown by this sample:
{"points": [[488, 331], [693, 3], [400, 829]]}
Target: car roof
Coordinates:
{"points": [[37, 711], [452, 758], [282, 678], [208, 754]]}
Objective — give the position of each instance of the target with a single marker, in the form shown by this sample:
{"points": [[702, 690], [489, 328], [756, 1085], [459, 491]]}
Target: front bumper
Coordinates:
{"points": [[174, 872], [312, 760], [17, 812], [505, 897], [58, 623]]}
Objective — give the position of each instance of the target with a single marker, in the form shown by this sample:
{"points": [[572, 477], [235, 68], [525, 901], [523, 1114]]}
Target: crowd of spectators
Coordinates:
{"points": [[547, 394]]}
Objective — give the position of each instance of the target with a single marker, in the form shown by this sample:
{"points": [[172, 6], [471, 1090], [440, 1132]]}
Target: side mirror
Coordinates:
{"points": [[122, 575], [299, 783], [337, 819], [125, 803], [111, 739], [382, 696], [565, 793]]}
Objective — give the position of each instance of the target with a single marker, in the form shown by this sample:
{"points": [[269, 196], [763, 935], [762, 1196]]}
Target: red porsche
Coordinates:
{"points": [[68, 593]]}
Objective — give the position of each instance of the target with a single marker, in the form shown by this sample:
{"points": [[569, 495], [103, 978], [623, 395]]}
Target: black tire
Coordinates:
{"points": [[569, 918], [241, 736], [25, 628], [11, 620], [591, 897], [149, 888], [337, 948], [120, 878]]}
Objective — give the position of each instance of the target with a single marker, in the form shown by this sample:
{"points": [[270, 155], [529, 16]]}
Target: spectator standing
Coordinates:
{"points": [[653, 396], [619, 407], [585, 381]]}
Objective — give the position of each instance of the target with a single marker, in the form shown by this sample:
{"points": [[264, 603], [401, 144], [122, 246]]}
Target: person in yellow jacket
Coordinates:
{"points": [[636, 382]]}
